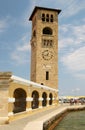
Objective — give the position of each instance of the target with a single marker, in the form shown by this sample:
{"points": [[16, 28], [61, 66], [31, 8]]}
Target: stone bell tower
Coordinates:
{"points": [[44, 46]]}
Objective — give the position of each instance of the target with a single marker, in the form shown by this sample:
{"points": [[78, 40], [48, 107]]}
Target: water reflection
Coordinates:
{"points": [[73, 121]]}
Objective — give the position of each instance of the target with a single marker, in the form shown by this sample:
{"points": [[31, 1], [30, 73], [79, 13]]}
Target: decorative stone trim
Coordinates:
{"points": [[29, 99], [27, 82], [10, 114], [53, 98], [41, 99], [48, 98], [11, 100]]}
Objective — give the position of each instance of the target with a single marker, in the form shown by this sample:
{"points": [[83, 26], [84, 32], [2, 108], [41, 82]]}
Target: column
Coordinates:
{"points": [[4, 88], [40, 99]]}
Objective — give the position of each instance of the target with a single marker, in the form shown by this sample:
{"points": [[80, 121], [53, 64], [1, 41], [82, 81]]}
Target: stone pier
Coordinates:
{"points": [[4, 89]]}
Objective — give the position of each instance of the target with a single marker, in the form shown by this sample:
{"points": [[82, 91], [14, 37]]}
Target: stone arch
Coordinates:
{"points": [[20, 100], [35, 102], [44, 96], [47, 31], [50, 96]]}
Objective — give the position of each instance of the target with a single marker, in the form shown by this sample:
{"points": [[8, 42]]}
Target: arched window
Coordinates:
{"points": [[44, 96], [35, 102], [47, 30], [20, 100]]}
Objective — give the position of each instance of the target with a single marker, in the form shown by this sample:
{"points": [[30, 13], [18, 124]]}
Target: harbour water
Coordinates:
{"points": [[72, 121]]}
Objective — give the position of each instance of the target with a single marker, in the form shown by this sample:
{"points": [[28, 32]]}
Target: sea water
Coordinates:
{"points": [[72, 121]]}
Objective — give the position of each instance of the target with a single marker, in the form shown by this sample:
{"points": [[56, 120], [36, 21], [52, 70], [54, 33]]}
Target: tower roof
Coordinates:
{"points": [[43, 8]]}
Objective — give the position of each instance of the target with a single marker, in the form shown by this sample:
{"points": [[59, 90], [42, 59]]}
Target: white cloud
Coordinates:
{"points": [[6, 22], [25, 45], [19, 58], [72, 8], [80, 75], [69, 8], [79, 32], [83, 20], [75, 61], [22, 51], [71, 36], [24, 20], [65, 42], [72, 49], [3, 25]]}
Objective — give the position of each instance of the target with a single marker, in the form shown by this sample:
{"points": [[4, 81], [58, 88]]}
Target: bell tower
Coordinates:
{"points": [[44, 46]]}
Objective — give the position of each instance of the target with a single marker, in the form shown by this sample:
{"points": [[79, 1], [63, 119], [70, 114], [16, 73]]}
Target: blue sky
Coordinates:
{"points": [[15, 35]]}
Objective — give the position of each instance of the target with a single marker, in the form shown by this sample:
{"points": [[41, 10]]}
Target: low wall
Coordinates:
{"points": [[48, 118], [54, 121]]}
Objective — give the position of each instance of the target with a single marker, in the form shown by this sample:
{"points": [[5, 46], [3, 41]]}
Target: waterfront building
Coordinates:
{"points": [[18, 95]]}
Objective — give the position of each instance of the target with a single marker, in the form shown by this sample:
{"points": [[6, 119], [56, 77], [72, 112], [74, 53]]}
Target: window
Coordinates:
{"points": [[47, 17], [51, 18], [47, 75], [43, 17], [47, 43], [47, 30], [50, 43]]}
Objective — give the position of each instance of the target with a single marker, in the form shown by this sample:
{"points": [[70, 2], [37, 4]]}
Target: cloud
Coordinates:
{"points": [[71, 8], [80, 75], [19, 58], [22, 51], [72, 49], [23, 48], [24, 19], [6, 23], [3, 25], [71, 36], [25, 45], [75, 61]]}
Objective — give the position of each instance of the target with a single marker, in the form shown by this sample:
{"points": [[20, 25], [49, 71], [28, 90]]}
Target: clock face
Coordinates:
{"points": [[47, 55]]}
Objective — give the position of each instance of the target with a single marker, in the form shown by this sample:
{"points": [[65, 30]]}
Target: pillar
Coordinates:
{"points": [[4, 88]]}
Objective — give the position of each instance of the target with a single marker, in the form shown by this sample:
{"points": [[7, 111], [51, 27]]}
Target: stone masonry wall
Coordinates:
{"points": [[4, 86]]}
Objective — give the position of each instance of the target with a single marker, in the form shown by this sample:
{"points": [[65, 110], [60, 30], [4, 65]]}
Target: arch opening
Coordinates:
{"points": [[35, 102], [44, 96], [20, 100], [50, 96], [47, 31]]}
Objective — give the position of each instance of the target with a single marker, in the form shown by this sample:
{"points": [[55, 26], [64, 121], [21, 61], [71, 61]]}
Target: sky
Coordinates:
{"points": [[15, 35]]}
